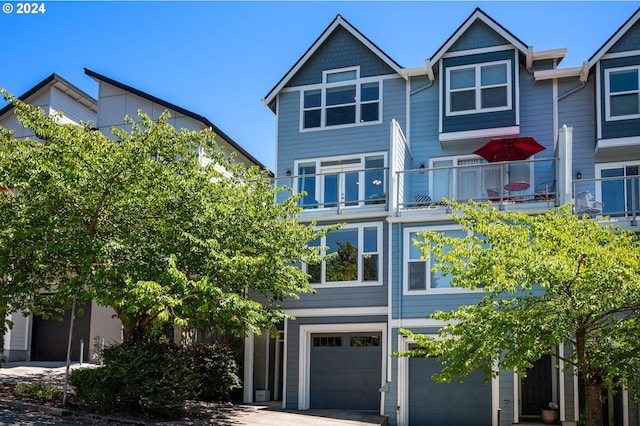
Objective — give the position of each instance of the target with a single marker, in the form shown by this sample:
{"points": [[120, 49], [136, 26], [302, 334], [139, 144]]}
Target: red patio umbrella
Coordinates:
{"points": [[509, 149]]}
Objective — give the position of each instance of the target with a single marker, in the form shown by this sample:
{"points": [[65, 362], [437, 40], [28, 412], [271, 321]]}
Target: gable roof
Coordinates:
{"points": [[54, 80], [614, 38], [477, 14], [339, 21], [177, 109]]}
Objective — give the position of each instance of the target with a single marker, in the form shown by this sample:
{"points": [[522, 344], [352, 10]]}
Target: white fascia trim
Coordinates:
{"points": [[337, 312], [417, 323], [304, 352], [478, 51], [614, 39], [625, 54], [550, 54], [412, 72], [557, 73], [481, 16], [480, 134], [617, 143]]}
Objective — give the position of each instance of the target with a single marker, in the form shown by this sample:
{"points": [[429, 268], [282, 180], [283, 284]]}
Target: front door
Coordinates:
{"points": [[537, 387]]}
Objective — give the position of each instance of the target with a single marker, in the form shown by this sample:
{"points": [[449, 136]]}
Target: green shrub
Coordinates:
{"points": [[214, 368], [93, 389], [146, 378], [38, 392]]}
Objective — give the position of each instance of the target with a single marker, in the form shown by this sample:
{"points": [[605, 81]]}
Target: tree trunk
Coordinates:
{"points": [[592, 402]]}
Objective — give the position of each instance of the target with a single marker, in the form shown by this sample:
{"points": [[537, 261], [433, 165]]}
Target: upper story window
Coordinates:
{"points": [[343, 99], [622, 86], [357, 259], [342, 182], [419, 278], [479, 88]]}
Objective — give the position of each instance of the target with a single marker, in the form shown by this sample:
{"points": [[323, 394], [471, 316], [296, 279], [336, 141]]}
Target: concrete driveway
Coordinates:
{"points": [[270, 413]]}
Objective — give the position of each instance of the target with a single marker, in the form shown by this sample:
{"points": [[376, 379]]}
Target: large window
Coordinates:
{"points": [[343, 99], [622, 86], [356, 257], [620, 188], [419, 278], [342, 182], [479, 88]]}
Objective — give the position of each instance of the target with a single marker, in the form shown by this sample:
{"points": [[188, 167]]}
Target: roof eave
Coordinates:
{"points": [[204, 120], [614, 38], [338, 21], [478, 14], [50, 81]]}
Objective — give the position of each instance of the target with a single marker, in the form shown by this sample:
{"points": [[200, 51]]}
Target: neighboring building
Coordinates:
{"points": [[377, 146], [37, 339]]}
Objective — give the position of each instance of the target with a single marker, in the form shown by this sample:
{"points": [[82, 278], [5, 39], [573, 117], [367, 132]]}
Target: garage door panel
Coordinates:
{"points": [[446, 404], [345, 371]]}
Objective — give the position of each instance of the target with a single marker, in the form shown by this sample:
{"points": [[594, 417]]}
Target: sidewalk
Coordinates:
{"points": [[264, 414]]}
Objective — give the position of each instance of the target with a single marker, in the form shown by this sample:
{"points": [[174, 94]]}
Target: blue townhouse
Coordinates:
{"points": [[377, 146]]}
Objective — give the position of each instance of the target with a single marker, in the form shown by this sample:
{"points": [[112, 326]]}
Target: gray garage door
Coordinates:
{"points": [[446, 404], [346, 370]]}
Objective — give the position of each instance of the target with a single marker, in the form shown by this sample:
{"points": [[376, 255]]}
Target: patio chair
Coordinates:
{"points": [[423, 200], [546, 190], [586, 204], [493, 194]]}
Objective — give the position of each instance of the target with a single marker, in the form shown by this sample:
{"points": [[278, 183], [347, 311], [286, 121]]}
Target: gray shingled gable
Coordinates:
{"points": [[479, 35], [340, 50]]}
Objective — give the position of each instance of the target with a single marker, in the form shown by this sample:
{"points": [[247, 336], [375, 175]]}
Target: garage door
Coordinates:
{"points": [[446, 404], [50, 336], [346, 370]]}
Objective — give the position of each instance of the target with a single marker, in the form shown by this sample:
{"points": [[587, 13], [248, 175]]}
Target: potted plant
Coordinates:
{"points": [[551, 415]]}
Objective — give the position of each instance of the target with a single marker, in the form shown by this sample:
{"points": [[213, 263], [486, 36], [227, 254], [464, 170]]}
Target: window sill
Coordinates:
{"points": [[479, 134], [347, 284]]}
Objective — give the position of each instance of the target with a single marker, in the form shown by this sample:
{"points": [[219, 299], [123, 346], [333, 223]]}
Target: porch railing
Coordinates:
{"points": [[337, 191], [504, 182], [616, 197]]}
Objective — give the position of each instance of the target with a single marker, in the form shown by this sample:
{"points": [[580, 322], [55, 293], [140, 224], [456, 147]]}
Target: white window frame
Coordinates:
{"points": [[608, 94], [320, 170], [478, 88], [361, 253], [615, 165], [407, 243], [324, 86]]}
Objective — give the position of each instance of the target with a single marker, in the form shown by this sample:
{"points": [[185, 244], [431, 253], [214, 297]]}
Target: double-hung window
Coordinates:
{"points": [[356, 257], [479, 88], [419, 278], [342, 99], [622, 87], [342, 182]]}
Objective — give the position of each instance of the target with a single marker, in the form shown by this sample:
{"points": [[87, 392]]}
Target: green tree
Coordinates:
{"points": [[155, 222], [548, 280]]}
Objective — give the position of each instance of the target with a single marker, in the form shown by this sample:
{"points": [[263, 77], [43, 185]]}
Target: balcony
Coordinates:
{"points": [[616, 198], [341, 192], [512, 184]]}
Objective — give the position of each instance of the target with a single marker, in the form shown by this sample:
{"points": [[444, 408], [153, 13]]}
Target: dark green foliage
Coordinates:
{"points": [[215, 369], [38, 392], [94, 391], [147, 378]]}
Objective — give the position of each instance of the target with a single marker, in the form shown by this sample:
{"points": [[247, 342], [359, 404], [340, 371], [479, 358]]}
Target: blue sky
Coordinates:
{"points": [[219, 59]]}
